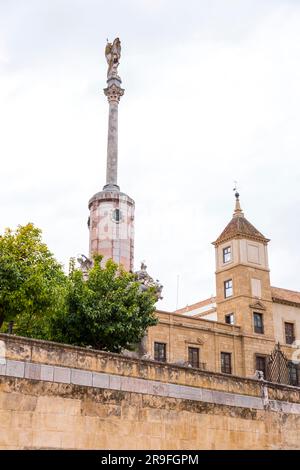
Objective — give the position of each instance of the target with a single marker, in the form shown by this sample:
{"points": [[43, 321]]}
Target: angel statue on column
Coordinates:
{"points": [[113, 54]]}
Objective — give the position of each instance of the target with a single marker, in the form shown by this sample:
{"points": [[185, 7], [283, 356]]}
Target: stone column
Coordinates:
{"points": [[113, 93], [111, 221]]}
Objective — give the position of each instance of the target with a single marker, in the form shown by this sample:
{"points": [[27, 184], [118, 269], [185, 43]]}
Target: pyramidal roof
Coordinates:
{"points": [[240, 227]]}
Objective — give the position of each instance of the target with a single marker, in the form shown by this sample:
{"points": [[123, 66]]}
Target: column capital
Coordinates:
{"points": [[113, 90]]}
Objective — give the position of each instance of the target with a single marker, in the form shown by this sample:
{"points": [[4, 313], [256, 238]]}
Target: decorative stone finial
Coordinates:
{"points": [[143, 266], [147, 281], [85, 265], [237, 211]]}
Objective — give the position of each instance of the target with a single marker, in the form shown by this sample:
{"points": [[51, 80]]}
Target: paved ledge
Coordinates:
{"points": [[56, 374]]}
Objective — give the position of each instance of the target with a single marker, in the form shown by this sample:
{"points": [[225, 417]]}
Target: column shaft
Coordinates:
{"points": [[112, 144]]}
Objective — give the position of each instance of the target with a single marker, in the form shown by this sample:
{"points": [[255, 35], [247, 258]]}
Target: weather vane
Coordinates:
{"points": [[235, 189]]}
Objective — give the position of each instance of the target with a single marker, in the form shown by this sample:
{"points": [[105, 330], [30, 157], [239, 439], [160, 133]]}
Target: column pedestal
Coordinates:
{"points": [[111, 227]]}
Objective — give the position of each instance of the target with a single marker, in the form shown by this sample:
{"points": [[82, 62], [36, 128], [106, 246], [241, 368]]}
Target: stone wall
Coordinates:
{"points": [[57, 396]]}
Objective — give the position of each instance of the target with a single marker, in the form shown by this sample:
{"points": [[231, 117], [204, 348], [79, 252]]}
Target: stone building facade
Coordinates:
{"points": [[236, 331]]}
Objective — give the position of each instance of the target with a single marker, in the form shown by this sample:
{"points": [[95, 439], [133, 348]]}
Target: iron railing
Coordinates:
{"points": [[279, 369]]}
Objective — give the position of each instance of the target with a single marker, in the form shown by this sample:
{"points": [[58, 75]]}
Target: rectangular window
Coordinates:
{"points": [[289, 333], [293, 374], [160, 352], [227, 254], [229, 319], [261, 364], [228, 288], [226, 363], [258, 323], [194, 357]]}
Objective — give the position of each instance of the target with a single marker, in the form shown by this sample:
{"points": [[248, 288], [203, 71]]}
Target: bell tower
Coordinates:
{"points": [[243, 290], [111, 221]]}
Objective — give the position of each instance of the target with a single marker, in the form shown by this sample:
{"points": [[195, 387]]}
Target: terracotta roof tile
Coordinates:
{"points": [[285, 295], [239, 227]]}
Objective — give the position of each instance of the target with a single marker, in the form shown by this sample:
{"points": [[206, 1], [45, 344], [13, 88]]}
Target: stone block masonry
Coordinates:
{"points": [[63, 397]]}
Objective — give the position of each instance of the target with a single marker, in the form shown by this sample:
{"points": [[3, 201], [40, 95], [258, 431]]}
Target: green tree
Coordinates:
{"points": [[108, 311], [32, 283]]}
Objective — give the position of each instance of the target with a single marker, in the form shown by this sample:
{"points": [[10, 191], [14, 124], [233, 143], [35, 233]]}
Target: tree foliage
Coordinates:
{"points": [[107, 311], [32, 282]]}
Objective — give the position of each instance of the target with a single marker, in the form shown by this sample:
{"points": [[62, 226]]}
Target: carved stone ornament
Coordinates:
{"points": [[147, 281], [200, 340], [113, 55], [257, 306], [85, 265], [113, 93], [196, 342]]}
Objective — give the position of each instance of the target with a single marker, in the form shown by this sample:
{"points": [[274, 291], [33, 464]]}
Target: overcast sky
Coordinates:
{"points": [[212, 95]]}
